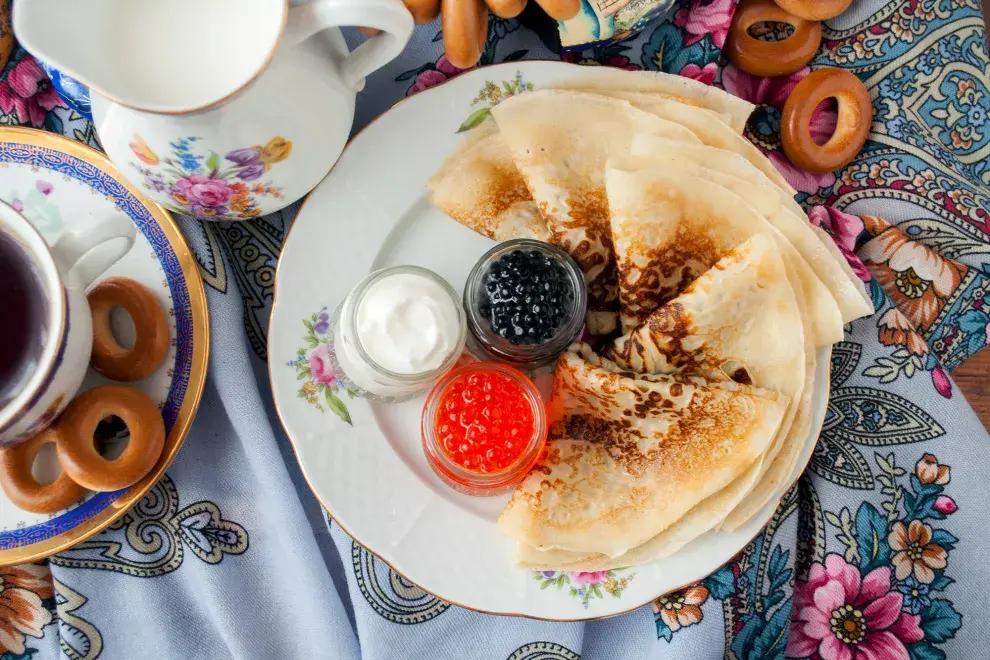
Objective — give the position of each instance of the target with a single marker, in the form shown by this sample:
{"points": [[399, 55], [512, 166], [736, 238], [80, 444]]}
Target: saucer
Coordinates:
{"points": [[59, 184]]}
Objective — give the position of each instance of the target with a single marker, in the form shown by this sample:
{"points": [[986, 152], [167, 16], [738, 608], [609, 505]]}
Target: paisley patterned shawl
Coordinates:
{"points": [[895, 484]]}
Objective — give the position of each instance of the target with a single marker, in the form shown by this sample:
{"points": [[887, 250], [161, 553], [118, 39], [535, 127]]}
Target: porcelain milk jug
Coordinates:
{"points": [[218, 109]]}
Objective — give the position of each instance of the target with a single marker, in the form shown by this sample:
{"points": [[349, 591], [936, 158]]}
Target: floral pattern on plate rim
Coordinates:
{"points": [[586, 585], [314, 367], [491, 95], [206, 186]]}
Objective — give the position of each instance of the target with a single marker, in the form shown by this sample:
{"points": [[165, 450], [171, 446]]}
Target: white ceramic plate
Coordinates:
{"points": [[364, 461], [59, 184]]}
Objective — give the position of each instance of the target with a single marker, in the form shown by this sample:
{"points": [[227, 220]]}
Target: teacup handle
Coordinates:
{"points": [[389, 16], [87, 255]]}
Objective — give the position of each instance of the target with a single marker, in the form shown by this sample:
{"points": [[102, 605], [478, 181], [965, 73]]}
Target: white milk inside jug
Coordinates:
{"points": [[188, 52]]}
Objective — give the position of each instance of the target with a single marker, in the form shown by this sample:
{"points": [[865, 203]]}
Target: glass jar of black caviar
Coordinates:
{"points": [[525, 302]]}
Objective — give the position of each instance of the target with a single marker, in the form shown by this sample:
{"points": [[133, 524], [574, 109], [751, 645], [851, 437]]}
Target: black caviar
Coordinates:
{"points": [[527, 297]]}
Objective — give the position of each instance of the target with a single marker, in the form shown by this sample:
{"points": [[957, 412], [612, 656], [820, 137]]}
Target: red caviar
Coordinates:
{"points": [[484, 421], [484, 427]]}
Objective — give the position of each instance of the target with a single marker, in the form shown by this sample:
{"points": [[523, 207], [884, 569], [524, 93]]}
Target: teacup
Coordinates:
{"points": [[46, 336]]}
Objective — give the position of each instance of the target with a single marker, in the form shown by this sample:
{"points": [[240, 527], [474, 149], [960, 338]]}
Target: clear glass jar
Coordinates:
{"points": [[355, 368], [482, 340], [472, 482]]}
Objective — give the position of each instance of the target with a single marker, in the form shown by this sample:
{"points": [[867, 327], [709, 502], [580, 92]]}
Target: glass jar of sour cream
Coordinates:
{"points": [[396, 333]]}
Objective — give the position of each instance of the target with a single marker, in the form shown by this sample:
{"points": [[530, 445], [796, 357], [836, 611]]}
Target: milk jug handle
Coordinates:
{"points": [[87, 255], [389, 16]]}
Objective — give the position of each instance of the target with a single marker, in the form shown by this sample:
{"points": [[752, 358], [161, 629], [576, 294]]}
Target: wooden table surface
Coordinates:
{"points": [[973, 378]]}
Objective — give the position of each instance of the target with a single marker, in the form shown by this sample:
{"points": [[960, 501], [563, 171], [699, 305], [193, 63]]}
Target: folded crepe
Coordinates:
{"points": [[656, 83], [780, 469], [702, 518], [740, 320], [480, 187], [734, 172], [628, 455], [560, 141], [714, 157], [668, 228], [651, 102], [710, 128]]}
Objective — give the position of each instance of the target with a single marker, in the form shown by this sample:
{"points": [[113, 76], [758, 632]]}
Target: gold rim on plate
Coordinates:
{"points": [[292, 442], [198, 361]]}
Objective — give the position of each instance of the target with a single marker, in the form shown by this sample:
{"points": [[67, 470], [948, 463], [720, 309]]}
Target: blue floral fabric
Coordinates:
{"points": [[877, 553]]}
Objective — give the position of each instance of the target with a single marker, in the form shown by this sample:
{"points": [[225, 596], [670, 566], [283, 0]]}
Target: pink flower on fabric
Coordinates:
{"points": [[443, 70], [205, 191], [621, 62], [773, 92], [321, 365], [844, 229], [808, 182], [614, 61], [590, 577], [840, 615], [941, 381], [945, 505], [756, 89], [705, 75], [28, 93], [706, 17]]}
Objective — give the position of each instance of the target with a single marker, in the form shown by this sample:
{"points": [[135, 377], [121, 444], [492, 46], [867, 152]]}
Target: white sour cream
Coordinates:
{"points": [[407, 324], [393, 337]]}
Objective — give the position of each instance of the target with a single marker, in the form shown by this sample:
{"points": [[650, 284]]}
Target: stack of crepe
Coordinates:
{"points": [[717, 287]]}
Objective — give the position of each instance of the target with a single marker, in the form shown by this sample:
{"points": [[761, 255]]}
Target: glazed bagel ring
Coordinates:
{"points": [[815, 10], [770, 58], [151, 342], [22, 488], [465, 30], [77, 449], [855, 117]]}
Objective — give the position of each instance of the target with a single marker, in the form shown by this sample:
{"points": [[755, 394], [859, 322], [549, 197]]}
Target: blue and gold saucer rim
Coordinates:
{"points": [[70, 158]]}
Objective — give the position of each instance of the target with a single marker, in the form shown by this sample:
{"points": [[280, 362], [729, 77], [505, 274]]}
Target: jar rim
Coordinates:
{"points": [[353, 303], [511, 474]]}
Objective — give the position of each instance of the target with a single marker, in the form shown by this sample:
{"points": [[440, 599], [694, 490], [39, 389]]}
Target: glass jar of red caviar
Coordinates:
{"points": [[484, 426]]}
